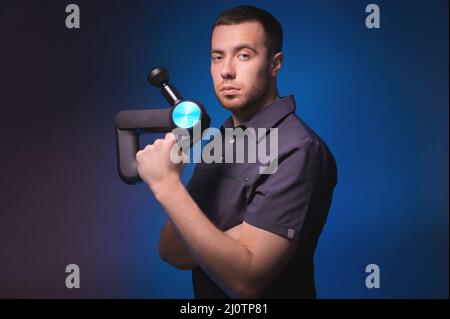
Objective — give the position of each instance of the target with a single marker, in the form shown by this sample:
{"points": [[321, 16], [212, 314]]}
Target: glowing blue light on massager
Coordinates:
{"points": [[186, 114]]}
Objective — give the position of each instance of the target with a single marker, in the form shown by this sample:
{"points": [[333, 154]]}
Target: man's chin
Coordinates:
{"points": [[231, 102]]}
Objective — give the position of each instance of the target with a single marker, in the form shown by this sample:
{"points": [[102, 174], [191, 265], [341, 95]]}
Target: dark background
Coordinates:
{"points": [[379, 98]]}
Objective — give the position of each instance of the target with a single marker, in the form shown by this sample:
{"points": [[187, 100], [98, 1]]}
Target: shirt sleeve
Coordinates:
{"points": [[280, 201]]}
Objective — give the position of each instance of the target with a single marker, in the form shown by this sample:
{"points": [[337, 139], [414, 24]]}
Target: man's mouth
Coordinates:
{"points": [[229, 90]]}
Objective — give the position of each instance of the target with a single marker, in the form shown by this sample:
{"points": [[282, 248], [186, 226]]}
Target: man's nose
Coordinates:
{"points": [[228, 71]]}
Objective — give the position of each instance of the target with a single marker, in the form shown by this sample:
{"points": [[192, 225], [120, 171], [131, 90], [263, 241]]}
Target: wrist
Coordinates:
{"points": [[166, 187]]}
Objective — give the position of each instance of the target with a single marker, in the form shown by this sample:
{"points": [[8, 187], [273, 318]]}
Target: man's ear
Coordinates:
{"points": [[277, 60]]}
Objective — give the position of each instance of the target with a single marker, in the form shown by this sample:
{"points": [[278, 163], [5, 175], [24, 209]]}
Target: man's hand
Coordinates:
{"points": [[160, 164]]}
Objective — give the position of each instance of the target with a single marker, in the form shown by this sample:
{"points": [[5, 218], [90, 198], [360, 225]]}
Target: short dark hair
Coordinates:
{"points": [[272, 28]]}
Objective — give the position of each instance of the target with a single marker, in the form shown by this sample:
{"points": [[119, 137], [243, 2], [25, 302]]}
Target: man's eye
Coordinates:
{"points": [[244, 56], [217, 58]]}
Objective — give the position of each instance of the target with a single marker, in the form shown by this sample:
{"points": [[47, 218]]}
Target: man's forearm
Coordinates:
{"points": [[224, 258], [174, 251]]}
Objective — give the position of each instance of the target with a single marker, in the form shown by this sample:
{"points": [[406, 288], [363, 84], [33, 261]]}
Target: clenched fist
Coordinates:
{"points": [[160, 164]]}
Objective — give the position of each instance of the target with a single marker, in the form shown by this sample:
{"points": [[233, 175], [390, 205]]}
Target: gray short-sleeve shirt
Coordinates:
{"points": [[293, 202]]}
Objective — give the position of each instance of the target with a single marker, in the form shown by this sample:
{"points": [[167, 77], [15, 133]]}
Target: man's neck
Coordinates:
{"points": [[247, 113]]}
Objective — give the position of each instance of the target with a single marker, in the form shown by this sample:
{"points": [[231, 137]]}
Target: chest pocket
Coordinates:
{"points": [[220, 193]]}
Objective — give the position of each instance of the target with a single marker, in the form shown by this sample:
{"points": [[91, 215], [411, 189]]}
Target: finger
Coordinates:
{"points": [[170, 136], [149, 147]]}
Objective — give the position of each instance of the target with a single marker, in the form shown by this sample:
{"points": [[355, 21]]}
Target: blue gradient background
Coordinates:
{"points": [[379, 98]]}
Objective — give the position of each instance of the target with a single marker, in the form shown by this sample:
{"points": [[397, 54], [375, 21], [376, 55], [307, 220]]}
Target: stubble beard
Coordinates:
{"points": [[250, 99]]}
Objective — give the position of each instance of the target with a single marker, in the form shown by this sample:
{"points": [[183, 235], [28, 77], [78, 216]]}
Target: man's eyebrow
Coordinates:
{"points": [[236, 49], [245, 46], [216, 51]]}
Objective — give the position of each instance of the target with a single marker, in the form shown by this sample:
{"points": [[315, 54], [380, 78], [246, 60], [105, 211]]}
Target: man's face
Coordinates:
{"points": [[240, 67]]}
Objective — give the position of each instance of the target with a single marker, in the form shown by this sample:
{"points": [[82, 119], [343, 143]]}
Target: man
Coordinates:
{"points": [[246, 234]]}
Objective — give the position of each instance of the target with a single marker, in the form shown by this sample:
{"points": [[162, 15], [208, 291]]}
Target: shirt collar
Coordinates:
{"points": [[268, 116]]}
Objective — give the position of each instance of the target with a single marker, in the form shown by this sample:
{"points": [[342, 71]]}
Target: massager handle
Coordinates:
{"points": [[147, 121], [129, 125]]}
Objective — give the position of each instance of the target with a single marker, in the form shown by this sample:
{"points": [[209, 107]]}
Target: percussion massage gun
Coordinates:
{"points": [[186, 114]]}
